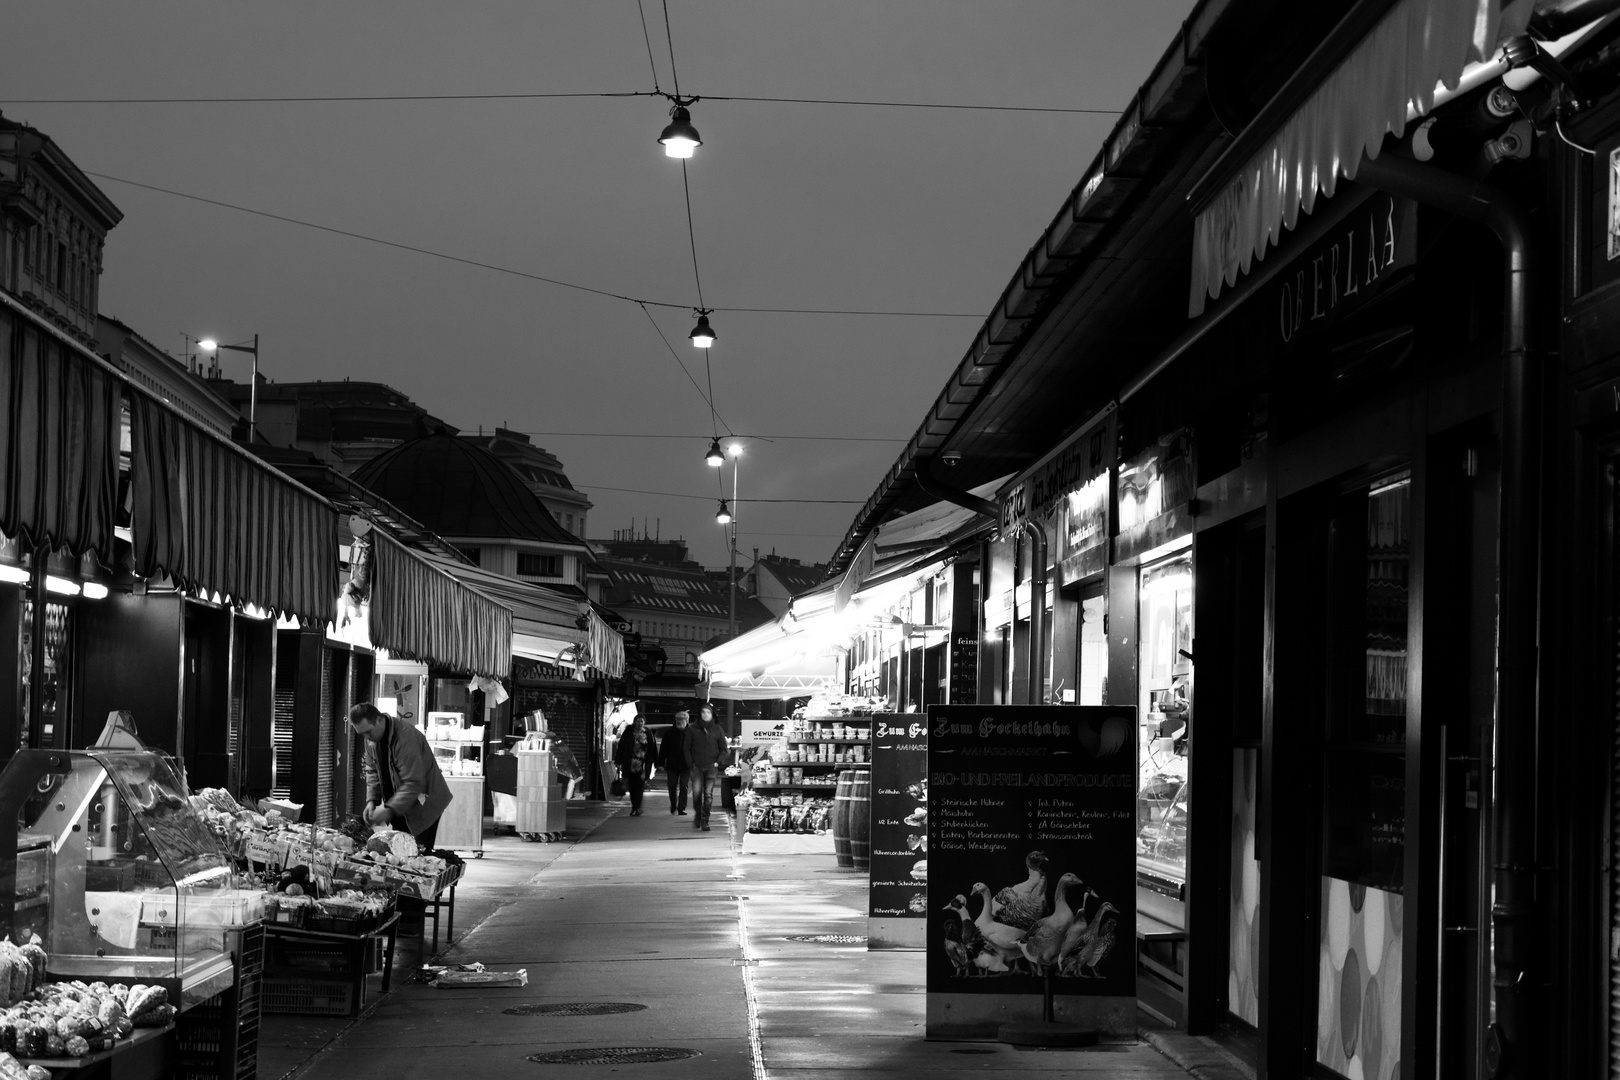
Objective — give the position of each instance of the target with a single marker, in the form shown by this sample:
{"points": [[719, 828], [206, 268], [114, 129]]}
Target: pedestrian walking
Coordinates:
{"points": [[636, 754], [707, 752], [676, 765]]}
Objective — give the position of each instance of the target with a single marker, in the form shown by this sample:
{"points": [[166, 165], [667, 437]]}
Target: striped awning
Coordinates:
{"points": [[420, 612], [1395, 71], [59, 435], [215, 519]]}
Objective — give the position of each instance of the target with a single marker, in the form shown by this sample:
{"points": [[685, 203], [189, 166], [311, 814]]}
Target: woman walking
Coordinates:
{"points": [[635, 755]]}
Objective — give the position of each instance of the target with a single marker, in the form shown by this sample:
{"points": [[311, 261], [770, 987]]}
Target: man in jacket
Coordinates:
{"points": [[404, 787], [677, 766], [706, 753]]}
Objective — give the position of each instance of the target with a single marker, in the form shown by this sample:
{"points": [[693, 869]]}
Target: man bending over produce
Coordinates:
{"points": [[406, 791]]}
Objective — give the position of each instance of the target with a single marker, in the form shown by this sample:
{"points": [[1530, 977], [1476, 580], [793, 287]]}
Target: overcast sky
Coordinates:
{"points": [[793, 206]]}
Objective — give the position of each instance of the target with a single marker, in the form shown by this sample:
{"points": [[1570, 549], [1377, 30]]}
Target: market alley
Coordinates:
{"points": [[701, 943]]}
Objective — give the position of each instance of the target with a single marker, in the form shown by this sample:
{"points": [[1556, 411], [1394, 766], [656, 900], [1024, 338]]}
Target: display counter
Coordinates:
{"points": [[130, 907]]}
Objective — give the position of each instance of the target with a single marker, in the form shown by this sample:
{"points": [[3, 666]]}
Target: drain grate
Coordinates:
{"points": [[614, 1055], [691, 858], [829, 939], [574, 1008], [972, 1050]]}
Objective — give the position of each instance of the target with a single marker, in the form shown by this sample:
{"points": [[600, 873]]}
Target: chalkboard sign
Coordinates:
{"points": [[899, 831], [1032, 856]]}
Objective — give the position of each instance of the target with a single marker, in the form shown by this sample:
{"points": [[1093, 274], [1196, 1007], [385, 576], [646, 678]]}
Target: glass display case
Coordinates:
{"points": [[116, 873]]}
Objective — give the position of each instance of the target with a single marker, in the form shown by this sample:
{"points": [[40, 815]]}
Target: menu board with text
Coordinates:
{"points": [[1032, 849], [899, 818]]}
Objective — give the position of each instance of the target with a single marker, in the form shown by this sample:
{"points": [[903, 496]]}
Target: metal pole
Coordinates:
{"points": [[36, 652], [253, 393], [731, 621]]}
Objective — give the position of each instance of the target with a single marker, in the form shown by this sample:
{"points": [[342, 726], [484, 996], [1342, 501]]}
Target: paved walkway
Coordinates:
{"points": [[650, 912]]}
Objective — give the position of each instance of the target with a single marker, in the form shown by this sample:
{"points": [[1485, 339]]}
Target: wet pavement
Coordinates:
{"points": [[650, 912]]}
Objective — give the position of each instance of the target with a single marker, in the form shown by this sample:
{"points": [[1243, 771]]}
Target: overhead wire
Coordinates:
{"points": [[497, 268], [705, 498], [677, 356], [688, 435], [295, 99], [647, 37]]}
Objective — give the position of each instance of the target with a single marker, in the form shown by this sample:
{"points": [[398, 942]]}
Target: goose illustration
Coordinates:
{"points": [[1077, 933], [975, 951], [955, 951], [1002, 937], [1020, 905], [1098, 943], [1044, 944]]}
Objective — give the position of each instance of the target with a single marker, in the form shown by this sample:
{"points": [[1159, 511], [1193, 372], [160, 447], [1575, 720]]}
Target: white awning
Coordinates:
{"points": [[1418, 48]]}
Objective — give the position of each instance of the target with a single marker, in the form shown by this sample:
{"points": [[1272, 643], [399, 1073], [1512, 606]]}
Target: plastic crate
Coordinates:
{"points": [[219, 1039], [294, 956], [300, 996]]}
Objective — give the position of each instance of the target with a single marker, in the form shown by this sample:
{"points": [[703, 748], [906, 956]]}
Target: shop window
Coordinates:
{"points": [[54, 703], [1092, 676], [1364, 779], [533, 564], [473, 554], [1165, 681]]}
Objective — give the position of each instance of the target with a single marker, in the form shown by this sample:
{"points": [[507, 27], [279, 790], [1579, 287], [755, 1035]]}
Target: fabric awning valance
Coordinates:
{"points": [[1417, 47], [215, 519], [419, 612], [547, 624], [59, 436]]}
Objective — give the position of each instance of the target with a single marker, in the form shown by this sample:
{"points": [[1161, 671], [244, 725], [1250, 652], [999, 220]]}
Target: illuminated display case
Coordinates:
{"points": [[115, 872]]}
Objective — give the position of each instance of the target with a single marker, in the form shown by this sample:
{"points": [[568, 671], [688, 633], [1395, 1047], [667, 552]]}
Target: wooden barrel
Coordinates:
{"points": [[860, 819], [840, 820]]}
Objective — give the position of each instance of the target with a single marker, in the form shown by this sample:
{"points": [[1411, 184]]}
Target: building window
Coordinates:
{"points": [[568, 522], [472, 554], [531, 564]]}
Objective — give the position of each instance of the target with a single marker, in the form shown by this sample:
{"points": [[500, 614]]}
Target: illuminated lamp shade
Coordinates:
{"points": [[680, 138], [714, 457], [702, 334], [95, 590], [61, 585], [724, 516]]}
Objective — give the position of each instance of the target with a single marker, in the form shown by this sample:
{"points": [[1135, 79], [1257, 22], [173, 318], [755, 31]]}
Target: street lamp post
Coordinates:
{"points": [[209, 345], [728, 517]]}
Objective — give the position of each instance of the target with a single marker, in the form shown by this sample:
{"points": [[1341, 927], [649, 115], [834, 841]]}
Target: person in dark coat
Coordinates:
{"points": [[672, 758], [707, 750], [635, 757]]}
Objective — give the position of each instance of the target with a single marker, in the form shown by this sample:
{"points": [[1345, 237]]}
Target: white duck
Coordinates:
{"points": [[1044, 944], [999, 936]]}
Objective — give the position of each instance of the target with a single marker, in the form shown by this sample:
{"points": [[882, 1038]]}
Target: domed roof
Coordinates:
{"points": [[458, 489]]}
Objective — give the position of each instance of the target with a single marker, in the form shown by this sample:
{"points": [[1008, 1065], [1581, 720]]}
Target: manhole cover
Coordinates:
{"points": [[829, 939], [574, 1008], [614, 1055]]}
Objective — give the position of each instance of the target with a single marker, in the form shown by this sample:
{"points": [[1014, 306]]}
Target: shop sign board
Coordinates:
{"points": [[1154, 487], [1346, 268], [964, 676], [1083, 535], [1035, 496], [898, 900], [753, 731], [1031, 865]]}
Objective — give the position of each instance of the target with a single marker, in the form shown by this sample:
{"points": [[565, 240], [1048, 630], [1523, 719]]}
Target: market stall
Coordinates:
{"points": [[132, 917], [789, 803], [331, 914]]}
